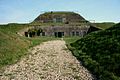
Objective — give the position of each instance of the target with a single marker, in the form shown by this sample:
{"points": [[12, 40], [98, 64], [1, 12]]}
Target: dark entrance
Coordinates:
{"points": [[59, 34], [55, 34]]}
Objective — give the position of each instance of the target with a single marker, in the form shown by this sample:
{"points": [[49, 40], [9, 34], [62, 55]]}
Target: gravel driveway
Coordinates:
{"points": [[48, 61]]}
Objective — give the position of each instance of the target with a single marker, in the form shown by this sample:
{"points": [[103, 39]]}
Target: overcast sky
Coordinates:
{"points": [[23, 11]]}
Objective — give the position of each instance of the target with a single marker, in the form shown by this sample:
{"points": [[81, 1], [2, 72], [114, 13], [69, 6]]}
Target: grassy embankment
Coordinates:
{"points": [[100, 53], [104, 25], [13, 46]]}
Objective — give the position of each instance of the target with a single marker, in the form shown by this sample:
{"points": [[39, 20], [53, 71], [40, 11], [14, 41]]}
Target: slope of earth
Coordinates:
{"points": [[104, 25], [100, 53], [48, 61], [13, 46]]}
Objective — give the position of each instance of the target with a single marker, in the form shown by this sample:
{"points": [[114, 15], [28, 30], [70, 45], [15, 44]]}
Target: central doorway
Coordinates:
{"points": [[59, 34]]}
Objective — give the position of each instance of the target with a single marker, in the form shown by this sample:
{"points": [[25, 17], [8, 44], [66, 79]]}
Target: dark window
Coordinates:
{"points": [[84, 32], [77, 33], [67, 22], [26, 34], [73, 33], [38, 33], [43, 33], [62, 33], [55, 33], [59, 34], [59, 20], [30, 34]]}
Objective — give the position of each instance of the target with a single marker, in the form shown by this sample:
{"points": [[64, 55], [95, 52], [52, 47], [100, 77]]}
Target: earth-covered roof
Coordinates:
{"points": [[69, 16]]}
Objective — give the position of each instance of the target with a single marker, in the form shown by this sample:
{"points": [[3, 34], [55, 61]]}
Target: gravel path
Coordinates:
{"points": [[48, 61]]}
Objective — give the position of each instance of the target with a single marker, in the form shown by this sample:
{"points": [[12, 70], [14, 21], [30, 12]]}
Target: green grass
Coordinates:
{"points": [[100, 53], [104, 25], [13, 46], [69, 40], [37, 40]]}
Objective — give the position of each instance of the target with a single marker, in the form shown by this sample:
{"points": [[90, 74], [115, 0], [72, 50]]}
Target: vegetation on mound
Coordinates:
{"points": [[100, 53], [59, 12], [104, 25], [11, 46]]}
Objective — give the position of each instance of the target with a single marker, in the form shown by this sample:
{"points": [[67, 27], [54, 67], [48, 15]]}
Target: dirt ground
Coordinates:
{"points": [[48, 61]]}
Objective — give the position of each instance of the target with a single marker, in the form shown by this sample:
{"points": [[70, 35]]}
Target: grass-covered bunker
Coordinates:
{"points": [[61, 24]]}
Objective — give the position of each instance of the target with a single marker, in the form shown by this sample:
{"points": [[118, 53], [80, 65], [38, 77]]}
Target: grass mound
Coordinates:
{"points": [[104, 25], [13, 46], [100, 53]]}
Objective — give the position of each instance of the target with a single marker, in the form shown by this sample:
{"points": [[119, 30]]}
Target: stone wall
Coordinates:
{"points": [[67, 30]]}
